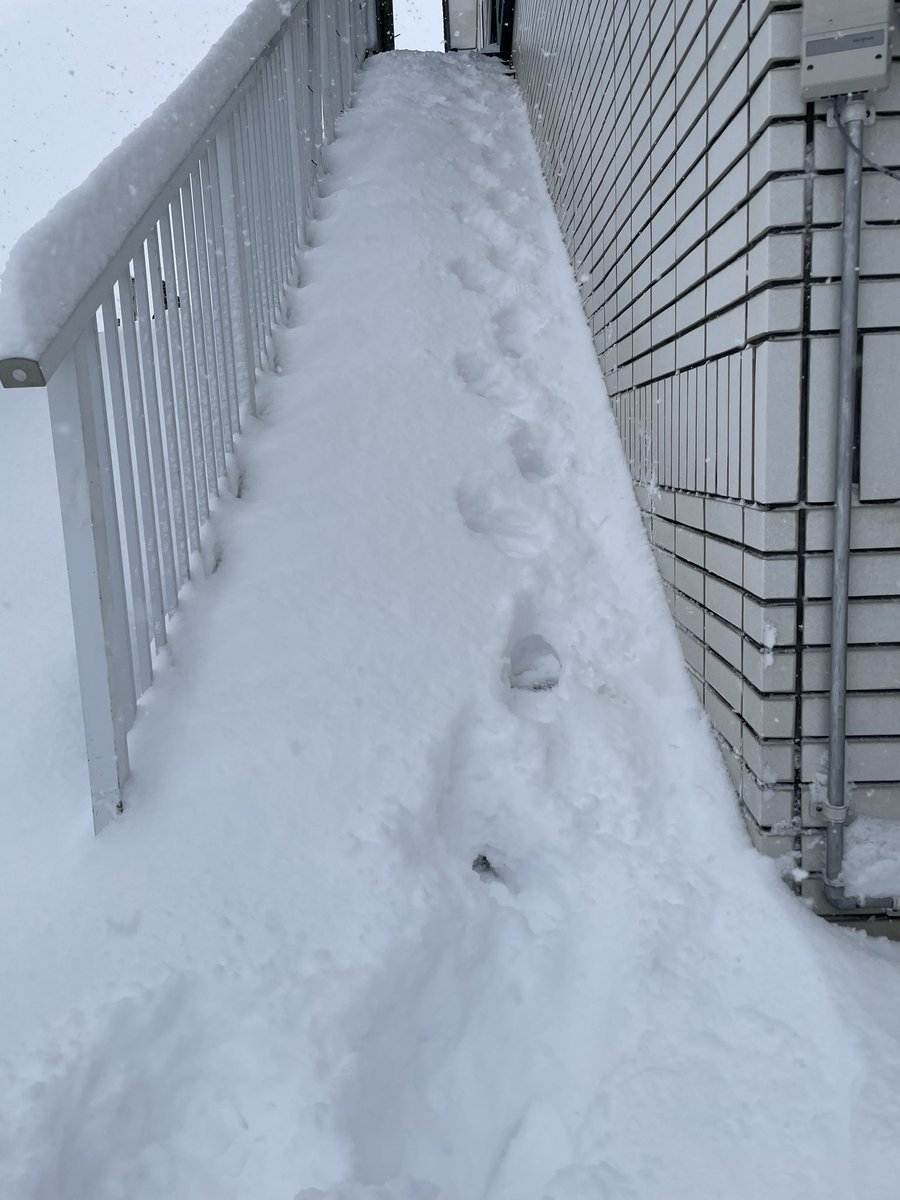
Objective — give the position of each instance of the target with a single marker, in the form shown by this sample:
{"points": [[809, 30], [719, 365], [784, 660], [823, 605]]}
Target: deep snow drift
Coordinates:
{"points": [[436, 638]]}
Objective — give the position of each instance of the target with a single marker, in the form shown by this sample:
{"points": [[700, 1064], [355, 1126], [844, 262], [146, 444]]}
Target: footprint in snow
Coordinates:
{"points": [[493, 378], [517, 260], [516, 527], [500, 160], [534, 665], [474, 275], [474, 104], [491, 224], [516, 328], [529, 454], [533, 669], [503, 200], [480, 136], [481, 176]]}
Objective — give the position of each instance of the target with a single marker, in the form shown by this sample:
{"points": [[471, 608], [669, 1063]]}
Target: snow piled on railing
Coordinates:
{"points": [[56, 262]]}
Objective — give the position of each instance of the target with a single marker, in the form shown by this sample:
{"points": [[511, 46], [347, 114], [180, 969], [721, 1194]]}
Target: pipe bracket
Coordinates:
{"points": [[852, 110], [838, 814]]}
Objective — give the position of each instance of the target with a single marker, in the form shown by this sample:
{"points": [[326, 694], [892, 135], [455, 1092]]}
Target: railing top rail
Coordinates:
{"points": [[57, 270]]}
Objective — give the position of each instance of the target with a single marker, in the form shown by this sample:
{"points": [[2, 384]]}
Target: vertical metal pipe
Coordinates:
{"points": [[852, 116], [843, 489]]}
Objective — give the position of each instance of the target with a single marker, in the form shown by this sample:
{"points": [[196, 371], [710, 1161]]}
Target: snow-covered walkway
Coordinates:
{"points": [[279, 972]]}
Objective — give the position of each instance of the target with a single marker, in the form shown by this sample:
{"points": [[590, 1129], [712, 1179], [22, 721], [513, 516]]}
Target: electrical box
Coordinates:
{"points": [[846, 47]]}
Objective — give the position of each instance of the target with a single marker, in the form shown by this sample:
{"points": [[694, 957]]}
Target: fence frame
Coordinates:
{"points": [[153, 371]]}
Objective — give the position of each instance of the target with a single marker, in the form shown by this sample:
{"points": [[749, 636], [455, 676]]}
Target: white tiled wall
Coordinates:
{"points": [[700, 201]]}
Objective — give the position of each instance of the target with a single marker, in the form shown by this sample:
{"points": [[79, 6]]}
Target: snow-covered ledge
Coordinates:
{"points": [[63, 258]]}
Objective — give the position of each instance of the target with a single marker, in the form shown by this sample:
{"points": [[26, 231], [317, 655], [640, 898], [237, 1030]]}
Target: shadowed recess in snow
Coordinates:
{"points": [[437, 637]]}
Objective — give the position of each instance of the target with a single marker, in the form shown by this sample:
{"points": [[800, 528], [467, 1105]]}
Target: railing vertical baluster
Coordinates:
{"points": [[230, 411], [360, 21], [315, 87], [268, 196], [326, 67], [192, 335], [167, 396], [281, 143], [263, 247], [344, 51], [207, 372], [272, 176], [151, 403], [338, 80], [353, 28], [143, 666], [293, 67], [236, 282], [246, 233], [126, 286], [303, 113], [172, 321], [294, 77], [214, 348], [343, 33], [93, 557], [254, 218], [265, 207], [287, 170], [349, 42], [337, 77]]}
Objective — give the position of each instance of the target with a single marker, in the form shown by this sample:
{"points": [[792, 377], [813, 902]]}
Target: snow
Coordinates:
{"points": [[872, 857], [52, 265], [418, 24], [278, 974]]}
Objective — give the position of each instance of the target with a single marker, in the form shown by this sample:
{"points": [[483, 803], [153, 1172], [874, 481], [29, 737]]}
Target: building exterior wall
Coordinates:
{"points": [[700, 201]]}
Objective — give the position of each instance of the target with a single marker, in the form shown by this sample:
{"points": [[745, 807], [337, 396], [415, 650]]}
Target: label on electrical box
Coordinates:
{"points": [[849, 41]]}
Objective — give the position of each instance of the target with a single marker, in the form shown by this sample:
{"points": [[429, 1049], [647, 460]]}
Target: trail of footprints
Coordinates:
{"points": [[501, 272]]}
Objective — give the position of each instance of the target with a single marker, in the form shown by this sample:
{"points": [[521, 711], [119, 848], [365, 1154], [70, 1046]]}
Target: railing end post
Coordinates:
{"points": [[84, 473]]}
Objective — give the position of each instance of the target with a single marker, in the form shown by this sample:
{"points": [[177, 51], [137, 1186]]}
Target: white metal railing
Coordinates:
{"points": [[151, 366]]}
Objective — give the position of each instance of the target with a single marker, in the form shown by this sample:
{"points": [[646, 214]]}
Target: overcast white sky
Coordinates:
{"points": [[419, 24]]}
